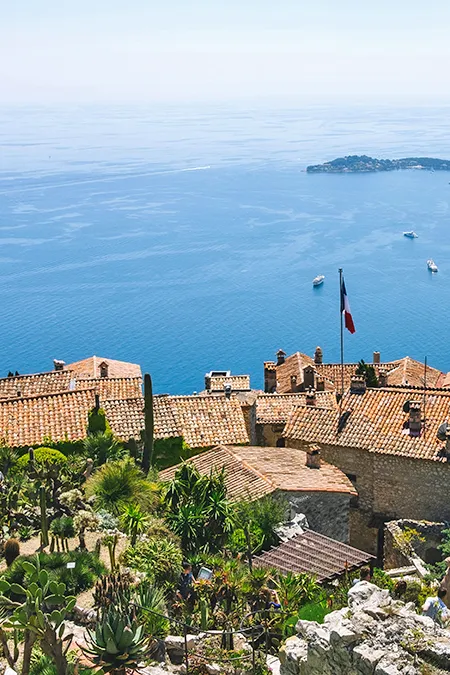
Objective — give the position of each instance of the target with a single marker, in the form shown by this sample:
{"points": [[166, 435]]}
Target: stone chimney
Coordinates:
{"points": [[309, 378], [358, 384], [270, 377], [311, 397], [318, 356], [382, 378], [208, 381], [58, 365], [313, 457], [320, 384], [227, 389], [377, 358], [293, 383], [415, 418], [281, 357]]}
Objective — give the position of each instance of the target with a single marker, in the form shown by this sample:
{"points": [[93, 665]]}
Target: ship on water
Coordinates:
{"points": [[432, 266], [410, 235], [318, 280]]}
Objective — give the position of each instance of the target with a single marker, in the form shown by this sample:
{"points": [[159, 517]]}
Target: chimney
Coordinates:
{"points": [[208, 382], [377, 358], [382, 378], [318, 356], [227, 389], [309, 378], [358, 384], [281, 357], [311, 397], [320, 384], [313, 457], [293, 383], [58, 365], [270, 377], [415, 418]]}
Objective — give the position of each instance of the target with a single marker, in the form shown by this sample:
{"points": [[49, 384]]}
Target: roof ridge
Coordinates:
{"points": [[46, 395]]}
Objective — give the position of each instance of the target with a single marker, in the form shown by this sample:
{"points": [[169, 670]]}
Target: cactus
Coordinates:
{"points": [[118, 643], [204, 613], [112, 590], [147, 457], [44, 519], [12, 551]]}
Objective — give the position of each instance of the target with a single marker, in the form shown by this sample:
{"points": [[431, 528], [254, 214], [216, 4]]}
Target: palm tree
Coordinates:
{"points": [[103, 447], [117, 484], [134, 521]]}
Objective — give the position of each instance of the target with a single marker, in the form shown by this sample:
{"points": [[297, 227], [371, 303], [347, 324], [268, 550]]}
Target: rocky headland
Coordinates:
{"points": [[365, 164]]}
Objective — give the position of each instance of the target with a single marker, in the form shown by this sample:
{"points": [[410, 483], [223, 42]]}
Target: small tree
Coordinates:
{"points": [[368, 372], [134, 521]]}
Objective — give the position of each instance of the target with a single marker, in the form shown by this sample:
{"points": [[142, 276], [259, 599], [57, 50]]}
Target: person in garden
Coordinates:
{"points": [[186, 582], [364, 575], [436, 609], [273, 601]]}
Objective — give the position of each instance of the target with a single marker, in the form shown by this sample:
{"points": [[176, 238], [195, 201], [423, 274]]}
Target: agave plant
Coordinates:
{"points": [[118, 643]]}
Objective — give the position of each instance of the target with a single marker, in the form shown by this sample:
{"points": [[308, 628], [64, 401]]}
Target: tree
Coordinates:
{"points": [[117, 484], [134, 521], [102, 447], [147, 457], [255, 525], [368, 372]]}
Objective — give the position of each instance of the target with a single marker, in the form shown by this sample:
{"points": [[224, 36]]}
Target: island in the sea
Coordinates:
{"points": [[363, 164]]}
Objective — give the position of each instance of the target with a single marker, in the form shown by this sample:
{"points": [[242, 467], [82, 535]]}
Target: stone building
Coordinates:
{"points": [[385, 441], [310, 486], [299, 372]]}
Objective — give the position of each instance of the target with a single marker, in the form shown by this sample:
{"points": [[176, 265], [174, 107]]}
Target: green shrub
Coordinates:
{"points": [[314, 611], [87, 570], [159, 558], [42, 456]]}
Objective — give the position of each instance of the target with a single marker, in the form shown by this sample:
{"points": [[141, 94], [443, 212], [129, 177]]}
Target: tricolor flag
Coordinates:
{"points": [[345, 309]]}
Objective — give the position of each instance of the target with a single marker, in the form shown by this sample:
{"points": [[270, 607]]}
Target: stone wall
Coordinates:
{"points": [[389, 487], [269, 434], [326, 512], [425, 546], [374, 635]]}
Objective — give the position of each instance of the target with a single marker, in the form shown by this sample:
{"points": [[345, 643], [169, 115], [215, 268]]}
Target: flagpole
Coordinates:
{"points": [[342, 332]]}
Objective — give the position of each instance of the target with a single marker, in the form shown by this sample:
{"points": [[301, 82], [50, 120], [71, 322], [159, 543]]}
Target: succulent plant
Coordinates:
{"points": [[11, 551], [118, 643], [114, 589]]}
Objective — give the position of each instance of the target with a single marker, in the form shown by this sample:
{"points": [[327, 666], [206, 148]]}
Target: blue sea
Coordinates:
{"points": [[186, 238]]}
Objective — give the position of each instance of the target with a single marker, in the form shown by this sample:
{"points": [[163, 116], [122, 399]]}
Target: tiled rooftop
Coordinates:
{"points": [[237, 382], [111, 387], [202, 421], [39, 383], [314, 554], [405, 371], [252, 471], [376, 421], [61, 416], [90, 367], [276, 408]]}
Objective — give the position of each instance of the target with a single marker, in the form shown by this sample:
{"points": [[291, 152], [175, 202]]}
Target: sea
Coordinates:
{"points": [[186, 238]]}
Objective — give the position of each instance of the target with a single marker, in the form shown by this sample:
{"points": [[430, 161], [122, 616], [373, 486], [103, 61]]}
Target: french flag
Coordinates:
{"points": [[345, 309]]}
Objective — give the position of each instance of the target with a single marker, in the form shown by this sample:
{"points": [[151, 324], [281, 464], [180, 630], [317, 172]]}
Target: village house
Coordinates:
{"points": [[300, 372], [386, 442], [309, 485]]}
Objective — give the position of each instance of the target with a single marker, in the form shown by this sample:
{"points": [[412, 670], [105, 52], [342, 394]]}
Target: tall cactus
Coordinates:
{"points": [[44, 519], [147, 457]]}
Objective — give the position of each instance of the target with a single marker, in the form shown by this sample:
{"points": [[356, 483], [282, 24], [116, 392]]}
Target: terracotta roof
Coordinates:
{"points": [[276, 408], [314, 554], [293, 365], [202, 421], [254, 471], [242, 481], [238, 383], [90, 367], [61, 416], [405, 371], [375, 422], [286, 469], [38, 383], [111, 387]]}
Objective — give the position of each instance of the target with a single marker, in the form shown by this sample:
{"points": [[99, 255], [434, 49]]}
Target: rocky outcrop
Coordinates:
{"points": [[374, 635]]}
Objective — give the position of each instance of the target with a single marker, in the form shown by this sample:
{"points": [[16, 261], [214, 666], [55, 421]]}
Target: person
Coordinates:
{"points": [[435, 607], [364, 575], [185, 583], [273, 601]]}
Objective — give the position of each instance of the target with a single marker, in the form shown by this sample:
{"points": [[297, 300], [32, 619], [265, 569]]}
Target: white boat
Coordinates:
{"points": [[410, 235], [432, 265], [317, 281]]}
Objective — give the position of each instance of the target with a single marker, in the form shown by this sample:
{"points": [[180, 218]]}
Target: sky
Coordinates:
{"points": [[215, 50]]}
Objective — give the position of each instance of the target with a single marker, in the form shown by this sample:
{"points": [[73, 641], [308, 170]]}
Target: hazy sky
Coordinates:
{"points": [[122, 50]]}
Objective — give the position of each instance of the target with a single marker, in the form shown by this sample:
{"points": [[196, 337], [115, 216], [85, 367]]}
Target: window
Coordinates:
{"points": [[103, 369]]}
